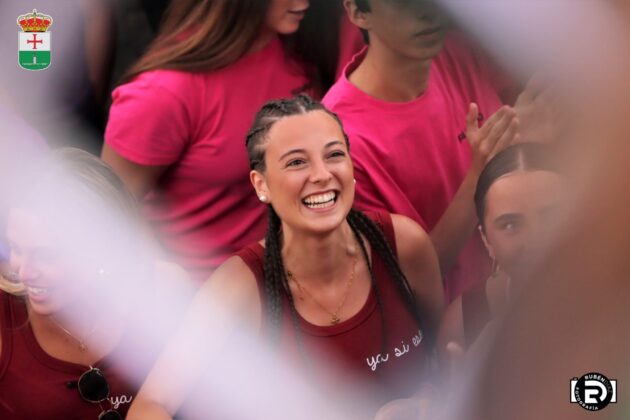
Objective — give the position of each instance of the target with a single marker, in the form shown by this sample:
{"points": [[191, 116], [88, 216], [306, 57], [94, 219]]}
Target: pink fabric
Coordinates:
{"points": [[204, 208], [410, 158]]}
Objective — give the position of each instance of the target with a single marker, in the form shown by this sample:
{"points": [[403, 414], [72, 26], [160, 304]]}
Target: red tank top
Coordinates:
{"points": [[355, 349], [35, 385]]}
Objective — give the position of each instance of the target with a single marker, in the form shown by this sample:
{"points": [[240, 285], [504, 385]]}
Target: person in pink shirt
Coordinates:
{"points": [[176, 127], [423, 118]]}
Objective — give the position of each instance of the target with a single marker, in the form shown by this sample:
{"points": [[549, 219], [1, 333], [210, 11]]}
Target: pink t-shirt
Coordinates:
{"points": [[411, 157], [204, 207]]}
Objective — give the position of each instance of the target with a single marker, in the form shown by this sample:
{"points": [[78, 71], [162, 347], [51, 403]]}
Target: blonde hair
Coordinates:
{"points": [[71, 183], [11, 286]]}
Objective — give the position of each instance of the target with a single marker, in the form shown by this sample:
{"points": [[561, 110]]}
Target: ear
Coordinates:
{"points": [[260, 184], [485, 242], [357, 17]]}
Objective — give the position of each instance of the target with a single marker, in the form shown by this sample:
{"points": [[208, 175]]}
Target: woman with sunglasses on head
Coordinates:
{"points": [[72, 302], [175, 127], [328, 286], [517, 196]]}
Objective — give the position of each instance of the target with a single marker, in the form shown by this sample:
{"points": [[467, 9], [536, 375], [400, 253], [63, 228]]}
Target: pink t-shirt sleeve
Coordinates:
{"points": [[148, 123]]}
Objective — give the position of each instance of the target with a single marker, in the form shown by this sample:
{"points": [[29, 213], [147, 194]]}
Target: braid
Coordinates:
{"points": [[377, 292], [275, 279], [272, 281], [381, 246]]}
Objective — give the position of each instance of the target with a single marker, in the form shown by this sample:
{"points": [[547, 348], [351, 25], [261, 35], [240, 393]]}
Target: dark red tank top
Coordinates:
{"points": [[387, 367], [35, 385]]}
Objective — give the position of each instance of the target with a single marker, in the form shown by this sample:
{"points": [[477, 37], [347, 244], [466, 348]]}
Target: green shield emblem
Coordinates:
{"points": [[34, 41]]}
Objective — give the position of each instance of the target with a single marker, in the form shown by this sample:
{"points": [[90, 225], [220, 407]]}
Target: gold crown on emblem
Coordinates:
{"points": [[34, 22]]}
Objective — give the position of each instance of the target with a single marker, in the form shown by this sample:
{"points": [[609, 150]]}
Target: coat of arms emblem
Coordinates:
{"points": [[34, 41]]}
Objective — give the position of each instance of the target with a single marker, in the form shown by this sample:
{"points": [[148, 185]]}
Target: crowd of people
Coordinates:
{"points": [[345, 181]]}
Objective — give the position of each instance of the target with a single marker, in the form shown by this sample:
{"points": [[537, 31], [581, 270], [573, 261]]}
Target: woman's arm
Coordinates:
{"points": [[228, 302], [458, 222], [138, 178], [419, 262]]}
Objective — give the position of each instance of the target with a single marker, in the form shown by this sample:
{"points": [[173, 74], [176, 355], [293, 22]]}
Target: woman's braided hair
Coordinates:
{"points": [[275, 278]]}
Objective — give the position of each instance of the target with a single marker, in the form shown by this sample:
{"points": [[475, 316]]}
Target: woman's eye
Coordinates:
{"points": [[295, 162], [337, 153], [510, 226]]}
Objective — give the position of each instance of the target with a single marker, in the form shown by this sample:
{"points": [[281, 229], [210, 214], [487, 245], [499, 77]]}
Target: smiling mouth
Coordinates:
{"points": [[320, 201], [298, 12], [37, 291], [428, 32]]}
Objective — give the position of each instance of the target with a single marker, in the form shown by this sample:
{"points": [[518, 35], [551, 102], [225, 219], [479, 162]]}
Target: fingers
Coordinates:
{"points": [[473, 115], [493, 130], [455, 354], [472, 120], [510, 136]]}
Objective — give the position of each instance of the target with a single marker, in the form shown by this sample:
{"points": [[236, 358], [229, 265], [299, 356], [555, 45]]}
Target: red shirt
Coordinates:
{"points": [[35, 385], [354, 348]]}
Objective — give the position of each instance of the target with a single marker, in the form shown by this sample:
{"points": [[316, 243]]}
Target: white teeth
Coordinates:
{"points": [[37, 291], [319, 199]]}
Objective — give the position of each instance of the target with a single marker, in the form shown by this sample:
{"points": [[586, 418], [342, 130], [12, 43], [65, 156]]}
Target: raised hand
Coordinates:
{"points": [[498, 132]]}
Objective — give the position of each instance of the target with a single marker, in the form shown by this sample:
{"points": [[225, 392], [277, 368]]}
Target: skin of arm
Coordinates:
{"points": [[451, 333], [459, 220], [419, 262], [140, 179], [228, 300]]}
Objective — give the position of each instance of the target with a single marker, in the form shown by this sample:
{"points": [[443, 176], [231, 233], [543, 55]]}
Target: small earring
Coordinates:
{"points": [[355, 181], [263, 198]]}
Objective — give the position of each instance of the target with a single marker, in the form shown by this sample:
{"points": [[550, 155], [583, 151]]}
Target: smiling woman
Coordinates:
{"points": [[353, 297], [77, 261]]}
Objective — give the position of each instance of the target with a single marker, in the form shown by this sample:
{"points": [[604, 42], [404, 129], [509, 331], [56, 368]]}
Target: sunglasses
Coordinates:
{"points": [[93, 387]]}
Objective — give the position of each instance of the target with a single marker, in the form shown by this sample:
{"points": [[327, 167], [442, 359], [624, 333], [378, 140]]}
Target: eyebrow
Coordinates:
{"points": [[292, 151]]}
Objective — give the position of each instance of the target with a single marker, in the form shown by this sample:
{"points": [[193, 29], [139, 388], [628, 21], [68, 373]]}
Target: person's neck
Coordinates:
{"points": [[320, 259], [77, 323], [262, 41], [390, 77]]}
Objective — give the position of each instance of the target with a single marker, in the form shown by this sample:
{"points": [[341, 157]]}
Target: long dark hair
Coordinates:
{"points": [[275, 278], [519, 157], [319, 49], [203, 35], [206, 35]]}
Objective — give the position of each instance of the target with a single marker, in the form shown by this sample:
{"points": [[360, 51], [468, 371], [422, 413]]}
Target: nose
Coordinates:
{"points": [[426, 11], [320, 173]]}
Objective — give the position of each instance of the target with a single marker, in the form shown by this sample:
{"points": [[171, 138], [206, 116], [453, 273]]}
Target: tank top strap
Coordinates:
{"points": [[384, 221], [253, 255]]}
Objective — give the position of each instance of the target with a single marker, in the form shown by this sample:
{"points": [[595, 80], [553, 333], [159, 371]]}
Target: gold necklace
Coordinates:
{"points": [[334, 316], [82, 346]]}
